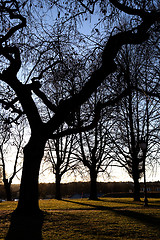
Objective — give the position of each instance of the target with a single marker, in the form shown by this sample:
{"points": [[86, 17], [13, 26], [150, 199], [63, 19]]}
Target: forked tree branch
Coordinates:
{"points": [[98, 109], [13, 55], [108, 66], [13, 13], [147, 93]]}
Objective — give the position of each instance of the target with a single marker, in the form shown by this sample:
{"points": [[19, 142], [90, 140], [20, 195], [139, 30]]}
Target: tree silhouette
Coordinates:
{"points": [[136, 115], [11, 140], [59, 159], [93, 145], [13, 15]]}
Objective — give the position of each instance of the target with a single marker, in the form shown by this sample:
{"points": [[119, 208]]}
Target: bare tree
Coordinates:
{"points": [[59, 157], [1, 174], [13, 15], [136, 116], [12, 141], [93, 148]]}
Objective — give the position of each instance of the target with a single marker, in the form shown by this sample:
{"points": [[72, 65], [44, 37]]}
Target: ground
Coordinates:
{"points": [[108, 218]]}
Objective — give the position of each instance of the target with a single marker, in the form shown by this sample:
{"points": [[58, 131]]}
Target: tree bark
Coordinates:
{"points": [[58, 186], [7, 186], [25, 228], [93, 184], [27, 219], [28, 199], [136, 186]]}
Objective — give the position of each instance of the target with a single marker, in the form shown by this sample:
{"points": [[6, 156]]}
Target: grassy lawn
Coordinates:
{"points": [[108, 218]]}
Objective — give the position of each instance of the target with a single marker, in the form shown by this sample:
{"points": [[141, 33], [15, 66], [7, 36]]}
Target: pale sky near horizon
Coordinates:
{"points": [[116, 175]]}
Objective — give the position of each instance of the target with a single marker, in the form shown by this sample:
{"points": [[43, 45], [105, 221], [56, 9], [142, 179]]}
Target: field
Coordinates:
{"points": [[108, 218]]}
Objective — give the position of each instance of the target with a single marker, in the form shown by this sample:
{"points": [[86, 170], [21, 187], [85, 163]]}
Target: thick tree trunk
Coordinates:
{"points": [[27, 219], [58, 187], [28, 199], [25, 228], [93, 184], [7, 186]]}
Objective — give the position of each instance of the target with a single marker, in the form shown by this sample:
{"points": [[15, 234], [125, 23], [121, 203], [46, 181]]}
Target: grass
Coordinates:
{"points": [[108, 218]]}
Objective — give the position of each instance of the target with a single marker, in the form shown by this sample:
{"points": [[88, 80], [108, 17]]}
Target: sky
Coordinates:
{"points": [[116, 175]]}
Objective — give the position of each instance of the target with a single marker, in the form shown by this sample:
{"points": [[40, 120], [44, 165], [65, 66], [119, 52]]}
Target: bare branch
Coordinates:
{"points": [[148, 93], [11, 31], [45, 69], [87, 7], [129, 10], [13, 55], [98, 109]]}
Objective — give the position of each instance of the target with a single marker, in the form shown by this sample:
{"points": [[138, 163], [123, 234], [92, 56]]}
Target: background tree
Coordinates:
{"points": [[1, 174], [12, 142], [58, 155], [136, 116], [93, 146]]}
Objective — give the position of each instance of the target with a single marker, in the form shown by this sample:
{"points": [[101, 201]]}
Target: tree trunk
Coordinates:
{"points": [[58, 186], [136, 187], [93, 184], [27, 219], [28, 198], [7, 186]]}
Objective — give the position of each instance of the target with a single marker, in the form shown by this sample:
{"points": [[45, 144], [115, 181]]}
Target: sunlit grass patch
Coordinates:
{"points": [[4, 222], [6, 208], [61, 205], [104, 219], [97, 224], [8, 205], [70, 204]]}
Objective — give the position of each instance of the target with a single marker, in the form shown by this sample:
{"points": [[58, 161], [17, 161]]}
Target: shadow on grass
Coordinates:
{"points": [[140, 217], [25, 227], [153, 204]]}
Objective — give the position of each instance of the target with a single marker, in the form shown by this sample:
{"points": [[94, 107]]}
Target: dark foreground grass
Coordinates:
{"points": [[107, 218]]}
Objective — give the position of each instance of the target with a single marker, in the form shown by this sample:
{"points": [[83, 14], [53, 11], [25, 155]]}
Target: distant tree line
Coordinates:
{"points": [[82, 189]]}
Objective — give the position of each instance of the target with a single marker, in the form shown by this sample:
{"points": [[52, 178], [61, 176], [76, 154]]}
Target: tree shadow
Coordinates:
{"points": [[138, 203], [138, 216], [153, 204], [25, 227]]}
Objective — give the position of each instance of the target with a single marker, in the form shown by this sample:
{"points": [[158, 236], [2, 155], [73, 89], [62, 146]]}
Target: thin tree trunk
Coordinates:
{"points": [[136, 188], [7, 186], [58, 187]]}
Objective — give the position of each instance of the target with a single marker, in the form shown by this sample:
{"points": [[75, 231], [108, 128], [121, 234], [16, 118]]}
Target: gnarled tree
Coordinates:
{"points": [[13, 20]]}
